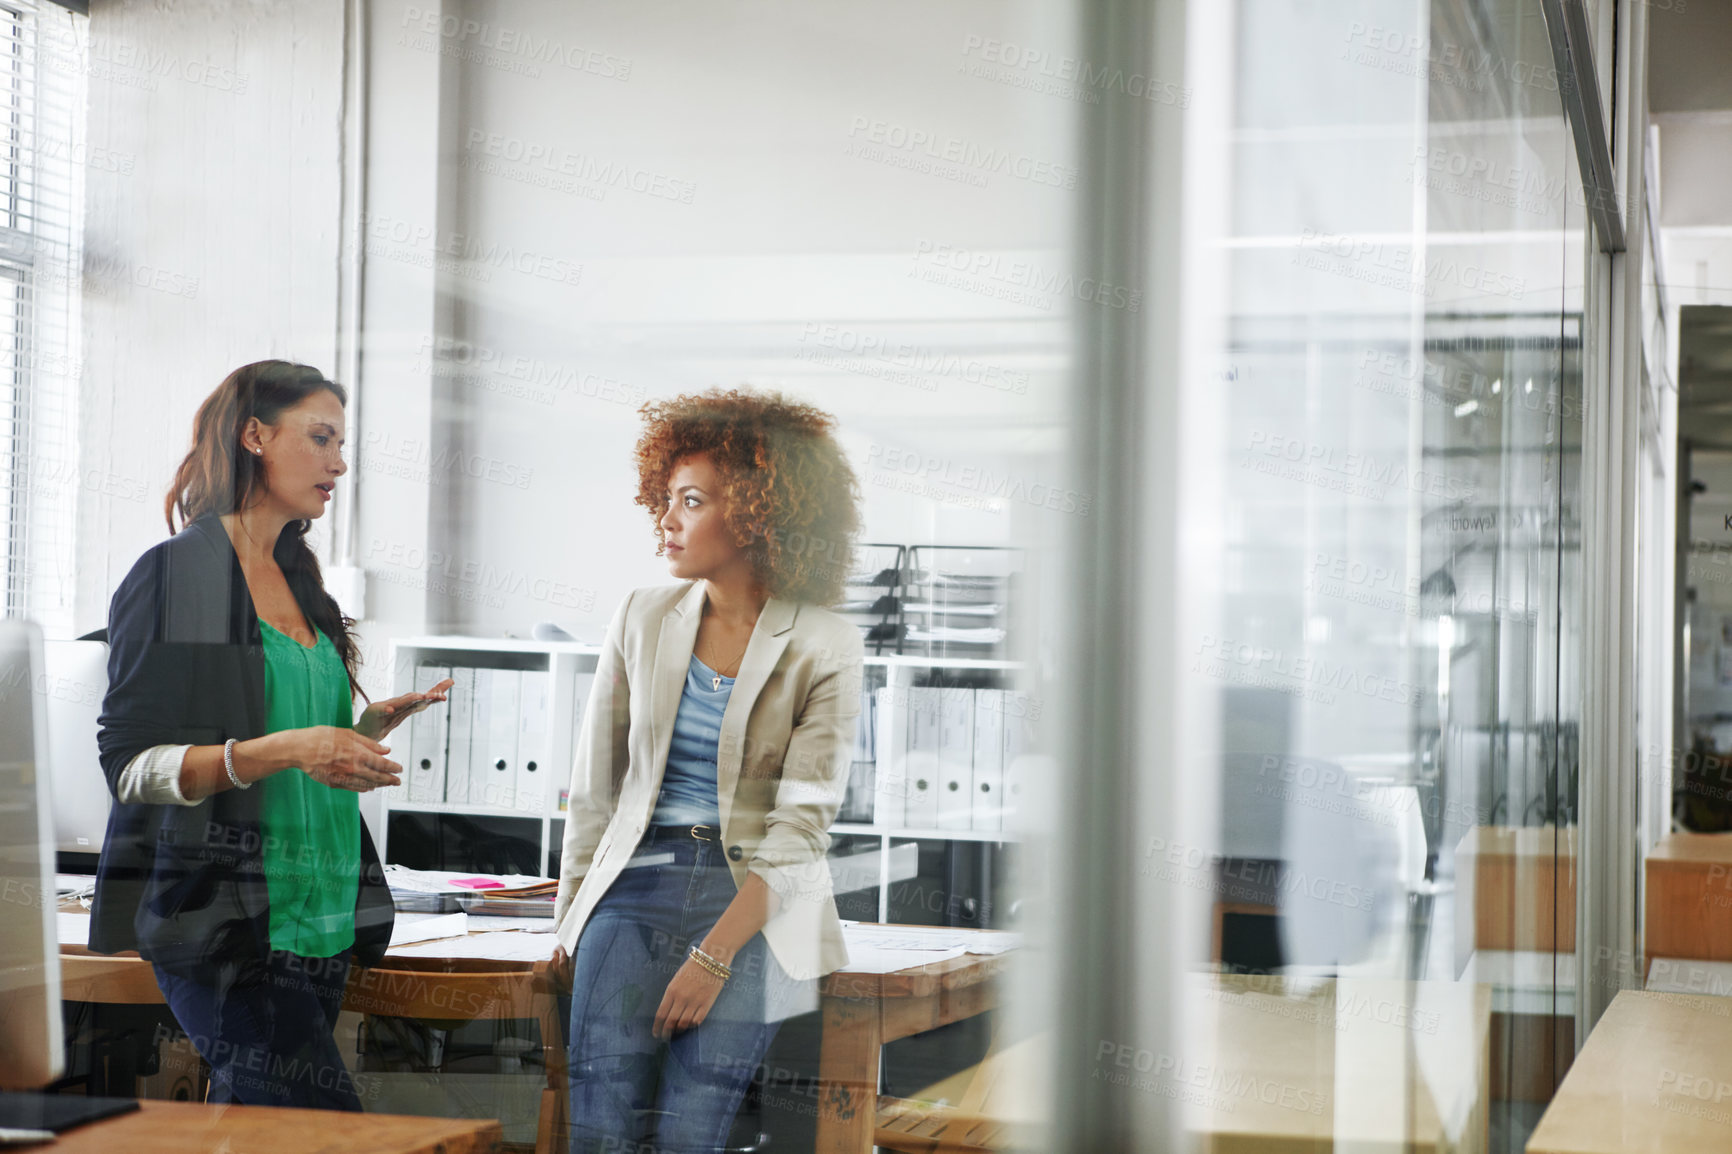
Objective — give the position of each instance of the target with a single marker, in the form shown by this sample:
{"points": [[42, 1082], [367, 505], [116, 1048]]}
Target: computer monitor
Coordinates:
{"points": [[31, 1042], [73, 686]]}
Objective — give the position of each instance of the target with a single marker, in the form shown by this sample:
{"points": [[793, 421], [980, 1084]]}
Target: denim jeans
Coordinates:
{"points": [[631, 1092], [268, 1037]]}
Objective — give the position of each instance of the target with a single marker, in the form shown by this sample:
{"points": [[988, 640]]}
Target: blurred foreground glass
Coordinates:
{"points": [[1396, 650], [868, 209]]}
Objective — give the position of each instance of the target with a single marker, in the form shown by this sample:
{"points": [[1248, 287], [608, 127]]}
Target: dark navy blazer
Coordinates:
{"points": [[185, 885]]}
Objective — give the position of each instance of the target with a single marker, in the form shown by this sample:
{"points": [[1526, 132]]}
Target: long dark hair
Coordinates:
{"points": [[218, 477]]}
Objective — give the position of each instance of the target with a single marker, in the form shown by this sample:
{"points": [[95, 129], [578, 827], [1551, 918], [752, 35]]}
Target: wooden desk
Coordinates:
{"points": [[1688, 912], [1655, 1076], [1354, 1063], [179, 1127], [1516, 889], [861, 1012], [1265, 1066], [409, 987], [1515, 893]]}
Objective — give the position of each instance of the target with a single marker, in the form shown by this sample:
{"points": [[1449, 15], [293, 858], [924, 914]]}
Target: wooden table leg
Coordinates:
{"points": [[848, 1076]]}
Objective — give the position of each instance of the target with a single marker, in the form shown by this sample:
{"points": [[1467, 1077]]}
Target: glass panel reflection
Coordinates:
{"points": [[1398, 640]]}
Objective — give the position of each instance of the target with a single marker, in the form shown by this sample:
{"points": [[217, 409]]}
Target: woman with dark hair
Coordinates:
{"points": [[694, 896], [236, 861]]}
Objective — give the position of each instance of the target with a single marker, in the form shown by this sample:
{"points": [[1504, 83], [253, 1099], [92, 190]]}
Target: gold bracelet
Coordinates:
{"points": [[718, 969]]}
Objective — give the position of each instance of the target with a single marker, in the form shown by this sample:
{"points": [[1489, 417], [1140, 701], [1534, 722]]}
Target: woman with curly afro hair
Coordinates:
{"points": [[694, 894]]}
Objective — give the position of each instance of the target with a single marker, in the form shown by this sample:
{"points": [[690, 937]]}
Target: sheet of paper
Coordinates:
{"points": [[896, 937], [69, 884], [499, 946], [74, 929], [414, 927], [441, 881], [866, 959], [482, 922]]}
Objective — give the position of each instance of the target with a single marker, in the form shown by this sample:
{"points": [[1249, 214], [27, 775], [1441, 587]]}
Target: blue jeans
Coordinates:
{"points": [[268, 1036], [631, 1092]]}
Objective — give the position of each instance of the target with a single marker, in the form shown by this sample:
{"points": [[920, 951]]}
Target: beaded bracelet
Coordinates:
{"points": [[229, 765]]}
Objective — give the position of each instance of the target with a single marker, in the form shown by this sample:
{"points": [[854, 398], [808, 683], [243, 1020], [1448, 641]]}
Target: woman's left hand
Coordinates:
{"points": [[381, 717], [687, 1001]]}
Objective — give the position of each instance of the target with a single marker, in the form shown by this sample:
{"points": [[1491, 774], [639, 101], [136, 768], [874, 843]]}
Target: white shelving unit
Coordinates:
{"points": [[566, 661]]}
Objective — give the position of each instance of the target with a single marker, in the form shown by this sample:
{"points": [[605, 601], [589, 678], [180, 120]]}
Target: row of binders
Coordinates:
{"points": [[490, 745], [946, 758]]}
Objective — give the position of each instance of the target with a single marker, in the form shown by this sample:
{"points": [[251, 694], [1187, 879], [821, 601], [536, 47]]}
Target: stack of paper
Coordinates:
{"points": [[885, 949], [428, 927], [465, 882], [437, 891], [501, 946]]}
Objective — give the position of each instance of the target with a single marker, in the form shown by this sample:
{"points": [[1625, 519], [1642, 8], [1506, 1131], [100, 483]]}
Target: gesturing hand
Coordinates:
{"points": [[381, 717], [344, 759], [687, 1001]]}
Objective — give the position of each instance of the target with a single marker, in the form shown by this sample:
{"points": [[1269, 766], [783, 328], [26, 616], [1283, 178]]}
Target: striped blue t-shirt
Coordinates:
{"points": [[688, 795]]}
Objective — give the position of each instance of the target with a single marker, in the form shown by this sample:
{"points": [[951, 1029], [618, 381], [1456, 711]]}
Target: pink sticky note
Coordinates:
{"points": [[478, 883]]}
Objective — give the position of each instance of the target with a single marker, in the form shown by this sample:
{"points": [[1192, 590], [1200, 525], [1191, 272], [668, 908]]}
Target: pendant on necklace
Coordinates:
{"points": [[716, 683]]}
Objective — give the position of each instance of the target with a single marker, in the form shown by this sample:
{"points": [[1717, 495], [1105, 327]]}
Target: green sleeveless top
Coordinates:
{"points": [[312, 833]]}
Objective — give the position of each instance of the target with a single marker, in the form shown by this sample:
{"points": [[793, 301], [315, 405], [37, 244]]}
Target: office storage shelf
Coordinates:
{"points": [[568, 663]]}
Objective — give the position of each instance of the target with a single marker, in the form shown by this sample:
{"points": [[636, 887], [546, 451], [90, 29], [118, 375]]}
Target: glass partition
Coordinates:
{"points": [[1397, 648]]}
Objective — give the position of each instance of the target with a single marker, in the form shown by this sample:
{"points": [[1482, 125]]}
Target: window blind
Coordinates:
{"points": [[43, 156]]}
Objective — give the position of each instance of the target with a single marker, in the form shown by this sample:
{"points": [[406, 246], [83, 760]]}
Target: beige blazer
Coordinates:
{"points": [[786, 744]]}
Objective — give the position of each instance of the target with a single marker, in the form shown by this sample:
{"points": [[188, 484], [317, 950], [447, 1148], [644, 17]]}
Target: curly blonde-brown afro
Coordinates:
{"points": [[792, 500]]}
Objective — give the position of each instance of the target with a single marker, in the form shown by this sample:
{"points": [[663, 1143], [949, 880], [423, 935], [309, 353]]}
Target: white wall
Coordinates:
{"points": [[759, 248], [210, 240], [754, 230]]}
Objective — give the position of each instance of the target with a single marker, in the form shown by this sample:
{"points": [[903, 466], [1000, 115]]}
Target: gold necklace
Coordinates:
{"points": [[716, 681]]}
